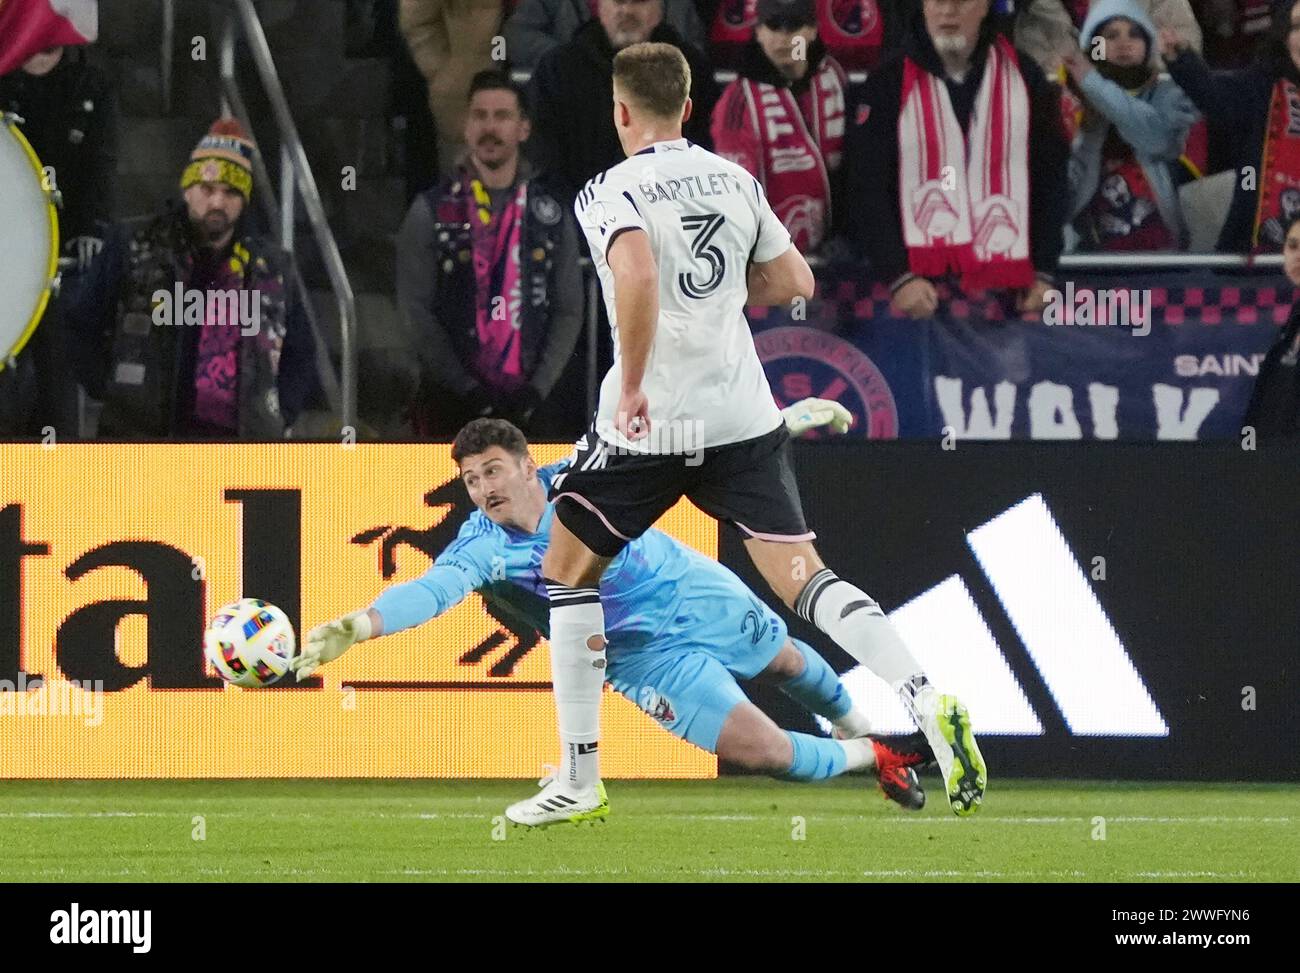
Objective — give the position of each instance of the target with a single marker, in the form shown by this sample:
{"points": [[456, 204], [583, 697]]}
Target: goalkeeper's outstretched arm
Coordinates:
{"points": [[460, 569]]}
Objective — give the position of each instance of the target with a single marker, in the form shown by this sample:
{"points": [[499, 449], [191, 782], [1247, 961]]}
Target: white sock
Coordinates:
{"points": [[578, 675], [920, 698], [858, 754], [853, 619], [854, 723]]}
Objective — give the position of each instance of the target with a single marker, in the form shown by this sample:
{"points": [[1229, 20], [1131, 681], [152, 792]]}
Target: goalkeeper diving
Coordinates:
{"points": [[681, 628]]}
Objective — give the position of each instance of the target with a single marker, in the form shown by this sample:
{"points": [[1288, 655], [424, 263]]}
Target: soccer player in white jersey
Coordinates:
{"points": [[682, 240]]}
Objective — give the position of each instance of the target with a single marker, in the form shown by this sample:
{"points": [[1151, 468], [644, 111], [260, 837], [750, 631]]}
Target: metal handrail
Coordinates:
{"points": [[297, 181], [722, 76], [165, 55], [1188, 261], [1138, 259]]}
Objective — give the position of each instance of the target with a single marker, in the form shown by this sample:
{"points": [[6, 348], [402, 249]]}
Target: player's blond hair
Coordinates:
{"points": [[654, 76]]}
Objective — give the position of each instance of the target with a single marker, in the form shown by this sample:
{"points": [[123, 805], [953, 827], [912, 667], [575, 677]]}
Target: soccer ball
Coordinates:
{"points": [[249, 643]]}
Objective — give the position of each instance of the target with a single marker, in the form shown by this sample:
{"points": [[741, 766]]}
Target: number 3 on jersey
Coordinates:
{"points": [[704, 227]]}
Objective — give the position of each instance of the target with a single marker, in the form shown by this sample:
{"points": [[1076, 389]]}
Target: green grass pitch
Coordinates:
{"points": [[734, 829]]}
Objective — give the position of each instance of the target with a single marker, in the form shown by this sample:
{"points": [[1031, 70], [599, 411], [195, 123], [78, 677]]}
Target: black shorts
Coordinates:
{"points": [[608, 498]]}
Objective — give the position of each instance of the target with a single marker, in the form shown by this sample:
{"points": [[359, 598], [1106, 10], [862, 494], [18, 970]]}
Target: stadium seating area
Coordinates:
{"points": [[373, 97]]}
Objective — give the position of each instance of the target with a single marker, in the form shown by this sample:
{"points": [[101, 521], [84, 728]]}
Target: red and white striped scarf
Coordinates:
{"points": [[965, 201], [793, 145]]}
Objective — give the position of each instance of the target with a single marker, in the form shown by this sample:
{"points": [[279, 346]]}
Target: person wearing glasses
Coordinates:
{"points": [[957, 164]]}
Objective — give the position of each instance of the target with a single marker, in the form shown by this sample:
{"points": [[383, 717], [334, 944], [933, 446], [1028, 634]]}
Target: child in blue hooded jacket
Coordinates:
{"points": [[1134, 124]]}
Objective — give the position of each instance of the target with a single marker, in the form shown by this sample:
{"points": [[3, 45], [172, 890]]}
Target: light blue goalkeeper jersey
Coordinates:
{"points": [[641, 591]]}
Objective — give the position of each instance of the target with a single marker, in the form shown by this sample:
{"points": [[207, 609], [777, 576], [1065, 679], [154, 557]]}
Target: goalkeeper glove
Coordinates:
{"points": [[810, 413], [327, 642]]}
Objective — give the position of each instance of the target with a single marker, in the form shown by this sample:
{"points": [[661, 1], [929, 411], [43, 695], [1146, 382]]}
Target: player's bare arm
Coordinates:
{"points": [[636, 297], [781, 280]]}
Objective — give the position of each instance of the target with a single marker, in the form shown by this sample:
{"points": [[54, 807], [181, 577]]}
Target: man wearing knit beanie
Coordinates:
{"points": [[187, 328], [218, 181]]}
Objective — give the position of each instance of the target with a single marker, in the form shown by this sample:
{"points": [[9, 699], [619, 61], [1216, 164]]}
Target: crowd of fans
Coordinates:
{"points": [[966, 141]]}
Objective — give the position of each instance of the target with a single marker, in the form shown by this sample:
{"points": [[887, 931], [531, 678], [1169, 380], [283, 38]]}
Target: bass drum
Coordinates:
{"points": [[29, 240]]}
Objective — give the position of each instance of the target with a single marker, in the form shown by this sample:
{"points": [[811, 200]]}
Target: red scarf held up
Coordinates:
{"points": [[789, 145], [964, 200], [1279, 176]]}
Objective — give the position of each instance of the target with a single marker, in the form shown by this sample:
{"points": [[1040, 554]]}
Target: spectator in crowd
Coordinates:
{"points": [[1233, 29], [449, 41], [488, 278], [69, 115], [537, 26], [1251, 110], [1045, 29], [857, 33], [184, 326], [783, 118], [985, 202], [1274, 409], [573, 137], [1122, 192]]}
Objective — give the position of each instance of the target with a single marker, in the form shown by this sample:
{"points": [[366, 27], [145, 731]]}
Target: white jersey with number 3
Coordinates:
{"points": [[706, 219]]}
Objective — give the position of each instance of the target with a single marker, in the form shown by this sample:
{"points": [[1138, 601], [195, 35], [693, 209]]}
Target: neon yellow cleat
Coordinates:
{"points": [[965, 777]]}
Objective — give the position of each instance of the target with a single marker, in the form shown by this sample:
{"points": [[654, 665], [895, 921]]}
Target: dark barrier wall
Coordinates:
{"points": [[1128, 357], [1198, 588]]}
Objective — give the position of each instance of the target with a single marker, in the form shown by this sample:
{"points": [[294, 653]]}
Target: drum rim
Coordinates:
{"points": [[52, 269]]}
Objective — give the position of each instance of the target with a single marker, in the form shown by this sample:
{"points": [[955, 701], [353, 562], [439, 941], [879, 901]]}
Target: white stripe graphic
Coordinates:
{"points": [[1049, 600], [948, 636]]}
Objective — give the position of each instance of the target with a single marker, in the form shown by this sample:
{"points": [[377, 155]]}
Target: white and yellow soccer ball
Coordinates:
{"points": [[249, 643]]}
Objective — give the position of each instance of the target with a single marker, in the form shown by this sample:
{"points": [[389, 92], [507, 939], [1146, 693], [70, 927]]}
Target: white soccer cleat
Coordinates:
{"points": [[946, 725], [559, 804]]}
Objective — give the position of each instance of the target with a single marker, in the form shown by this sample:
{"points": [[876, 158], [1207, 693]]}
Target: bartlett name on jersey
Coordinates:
{"points": [[706, 219]]}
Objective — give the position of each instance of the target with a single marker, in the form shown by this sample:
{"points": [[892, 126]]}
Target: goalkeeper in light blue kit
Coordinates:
{"points": [[681, 627]]}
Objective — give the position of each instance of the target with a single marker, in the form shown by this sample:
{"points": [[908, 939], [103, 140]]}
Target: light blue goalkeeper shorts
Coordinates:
{"points": [[686, 677]]}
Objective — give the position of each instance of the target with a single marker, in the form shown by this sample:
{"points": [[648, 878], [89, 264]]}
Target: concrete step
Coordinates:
{"points": [[143, 194], [365, 143], [375, 209], [138, 85], [387, 366], [131, 27], [363, 89], [315, 26], [379, 324], [151, 146]]}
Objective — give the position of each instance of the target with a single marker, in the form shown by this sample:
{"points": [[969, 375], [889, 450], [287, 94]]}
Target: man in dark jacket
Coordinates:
{"points": [[956, 221], [70, 117], [572, 93], [1274, 410], [186, 325], [488, 279]]}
